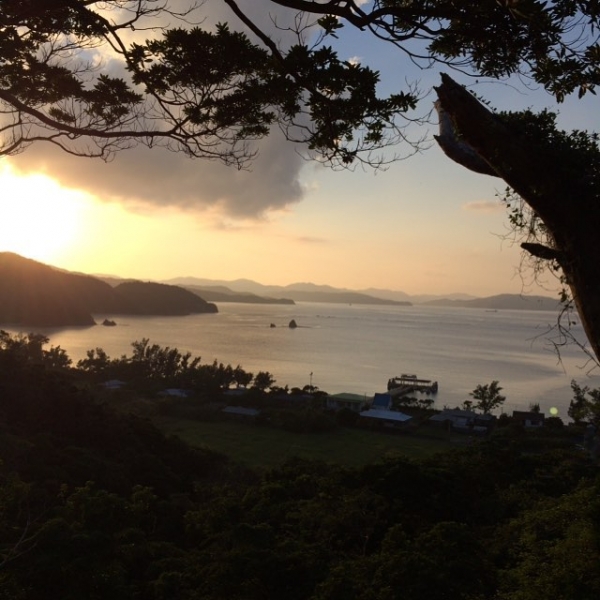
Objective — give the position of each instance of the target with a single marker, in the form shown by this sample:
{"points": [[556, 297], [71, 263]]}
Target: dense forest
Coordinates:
{"points": [[96, 502]]}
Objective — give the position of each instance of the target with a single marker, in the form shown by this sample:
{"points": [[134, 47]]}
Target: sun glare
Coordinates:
{"points": [[38, 218]]}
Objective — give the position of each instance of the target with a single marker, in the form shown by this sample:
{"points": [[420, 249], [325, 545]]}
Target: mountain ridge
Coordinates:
{"points": [[309, 292], [34, 294]]}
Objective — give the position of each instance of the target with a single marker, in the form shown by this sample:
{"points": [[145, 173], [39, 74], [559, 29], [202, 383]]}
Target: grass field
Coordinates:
{"points": [[259, 446]]}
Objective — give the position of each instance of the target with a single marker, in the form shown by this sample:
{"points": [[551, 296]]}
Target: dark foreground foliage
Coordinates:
{"points": [[98, 505]]}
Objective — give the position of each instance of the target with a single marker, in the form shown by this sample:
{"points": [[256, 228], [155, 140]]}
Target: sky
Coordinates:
{"points": [[424, 225]]}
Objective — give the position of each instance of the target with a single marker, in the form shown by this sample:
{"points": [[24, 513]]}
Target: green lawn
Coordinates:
{"points": [[260, 446]]}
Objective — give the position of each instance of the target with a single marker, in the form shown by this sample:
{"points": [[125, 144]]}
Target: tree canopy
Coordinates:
{"points": [[71, 75], [555, 43], [95, 77], [488, 397]]}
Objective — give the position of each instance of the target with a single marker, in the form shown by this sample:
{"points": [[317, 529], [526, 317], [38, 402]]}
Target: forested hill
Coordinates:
{"points": [[161, 299], [36, 295]]}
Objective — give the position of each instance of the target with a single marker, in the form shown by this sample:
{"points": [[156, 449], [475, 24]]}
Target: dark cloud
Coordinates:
{"points": [[158, 177], [162, 178]]}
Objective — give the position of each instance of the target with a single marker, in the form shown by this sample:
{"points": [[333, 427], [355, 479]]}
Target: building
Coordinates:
{"points": [[467, 421], [353, 402], [382, 402], [528, 419], [385, 418]]}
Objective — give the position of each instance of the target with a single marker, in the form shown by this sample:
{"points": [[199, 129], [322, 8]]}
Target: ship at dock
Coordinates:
{"points": [[405, 384]]}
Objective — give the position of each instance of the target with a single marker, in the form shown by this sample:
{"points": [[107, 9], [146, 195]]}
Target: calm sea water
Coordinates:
{"points": [[358, 348]]}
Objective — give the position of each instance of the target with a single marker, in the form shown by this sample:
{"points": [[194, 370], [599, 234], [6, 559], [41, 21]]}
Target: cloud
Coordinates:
{"points": [[162, 178], [140, 177], [307, 239], [484, 206]]}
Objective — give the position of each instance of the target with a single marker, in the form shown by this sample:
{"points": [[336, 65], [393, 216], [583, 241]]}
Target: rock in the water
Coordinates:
{"points": [[293, 324]]}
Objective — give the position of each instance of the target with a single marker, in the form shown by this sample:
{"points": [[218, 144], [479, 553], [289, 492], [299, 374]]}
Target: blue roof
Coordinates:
{"points": [[381, 401]]}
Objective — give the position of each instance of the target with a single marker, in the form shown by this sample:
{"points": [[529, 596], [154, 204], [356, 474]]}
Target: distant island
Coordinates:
{"points": [[243, 290], [220, 293], [249, 291], [502, 302], [33, 294]]}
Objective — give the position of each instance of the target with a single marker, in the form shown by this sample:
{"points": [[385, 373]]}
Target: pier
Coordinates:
{"points": [[404, 384]]}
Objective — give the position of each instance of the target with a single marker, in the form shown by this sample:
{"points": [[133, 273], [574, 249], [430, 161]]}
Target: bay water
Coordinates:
{"points": [[357, 348]]}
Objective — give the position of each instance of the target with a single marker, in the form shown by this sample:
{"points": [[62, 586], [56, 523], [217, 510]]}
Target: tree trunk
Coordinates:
{"points": [[567, 205]]}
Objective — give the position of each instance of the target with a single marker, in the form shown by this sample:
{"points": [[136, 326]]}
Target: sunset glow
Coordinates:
{"points": [[423, 226], [40, 220]]}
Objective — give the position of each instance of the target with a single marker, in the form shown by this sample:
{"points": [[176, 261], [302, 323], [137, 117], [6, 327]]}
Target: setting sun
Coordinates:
{"points": [[40, 219]]}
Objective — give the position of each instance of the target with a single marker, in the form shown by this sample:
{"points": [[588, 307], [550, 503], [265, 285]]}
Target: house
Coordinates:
{"points": [[385, 418], [353, 402], [467, 421], [528, 419]]}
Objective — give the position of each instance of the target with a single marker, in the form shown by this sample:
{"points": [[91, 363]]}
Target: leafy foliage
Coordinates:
{"points": [[210, 92], [554, 43], [98, 504], [205, 93], [488, 397], [585, 405], [15, 349], [153, 365]]}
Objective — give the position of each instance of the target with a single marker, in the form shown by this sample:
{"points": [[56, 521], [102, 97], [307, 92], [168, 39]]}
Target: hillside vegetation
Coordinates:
{"points": [[35, 295], [98, 503]]}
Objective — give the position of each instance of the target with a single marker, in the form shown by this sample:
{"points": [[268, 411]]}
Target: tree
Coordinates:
{"points": [[206, 93], [467, 405], [487, 397], [553, 43], [553, 176], [212, 93], [263, 380], [96, 361], [585, 404], [241, 378], [29, 348]]}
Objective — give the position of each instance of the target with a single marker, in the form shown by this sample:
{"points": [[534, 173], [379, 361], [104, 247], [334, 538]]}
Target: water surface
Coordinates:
{"points": [[352, 348]]}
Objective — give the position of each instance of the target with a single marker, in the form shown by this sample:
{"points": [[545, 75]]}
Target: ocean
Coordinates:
{"points": [[357, 348]]}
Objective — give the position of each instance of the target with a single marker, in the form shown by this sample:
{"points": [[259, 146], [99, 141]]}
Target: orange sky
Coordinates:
{"points": [[426, 225]]}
